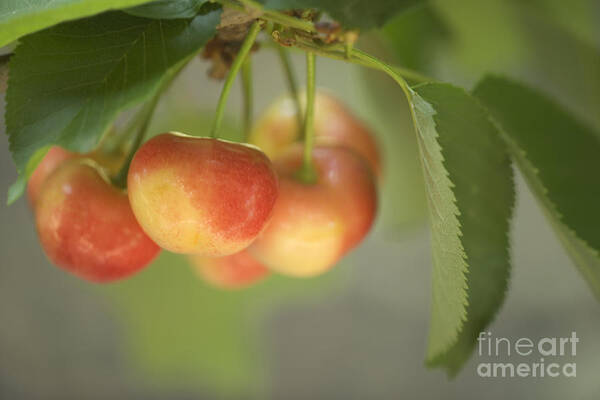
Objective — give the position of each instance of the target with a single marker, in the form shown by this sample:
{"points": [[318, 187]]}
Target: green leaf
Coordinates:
{"points": [[168, 9], [560, 159], [362, 14], [21, 17], [68, 83], [470, 194]]}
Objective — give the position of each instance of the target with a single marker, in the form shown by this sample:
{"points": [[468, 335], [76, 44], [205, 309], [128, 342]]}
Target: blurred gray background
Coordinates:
{"points": [[362, 336]]}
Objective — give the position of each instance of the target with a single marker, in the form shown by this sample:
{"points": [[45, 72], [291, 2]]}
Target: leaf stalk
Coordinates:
{"points": [[307, 173], [247, 92]]}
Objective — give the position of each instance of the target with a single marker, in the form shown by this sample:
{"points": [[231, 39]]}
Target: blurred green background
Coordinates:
{"points": [[359, 331]]}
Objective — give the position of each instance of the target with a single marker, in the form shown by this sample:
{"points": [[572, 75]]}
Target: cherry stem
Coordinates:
{"points": [[327, 51], [120, 179], [291, 81], [275, 16], [233, 71], [247, 92], [307, 172], [360, 57], [356, 56], [395, 73]]}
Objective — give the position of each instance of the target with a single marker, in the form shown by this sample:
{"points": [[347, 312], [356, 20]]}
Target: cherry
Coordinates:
{"points": [[201, 195], [334, 124], [236, 271], [86, 225], [53, 158], [314, 225]]}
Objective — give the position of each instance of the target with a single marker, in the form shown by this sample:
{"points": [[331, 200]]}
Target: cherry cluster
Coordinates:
{"points": [[240, 211]]}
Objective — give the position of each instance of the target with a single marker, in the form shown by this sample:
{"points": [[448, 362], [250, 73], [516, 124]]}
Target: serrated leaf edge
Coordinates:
{"points": [[541, 193], [416, 101], [437, 361]]}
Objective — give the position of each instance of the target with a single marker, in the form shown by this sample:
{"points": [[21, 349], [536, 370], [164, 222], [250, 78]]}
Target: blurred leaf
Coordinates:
{"points": [[412, 34], [68, 83], [563, 62], [181, 330], [560, 158], [470, 195], [485, 36], [362, 14], [21, 17], [3, 72], [552, 44], [579, 17], [169, 9]]}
